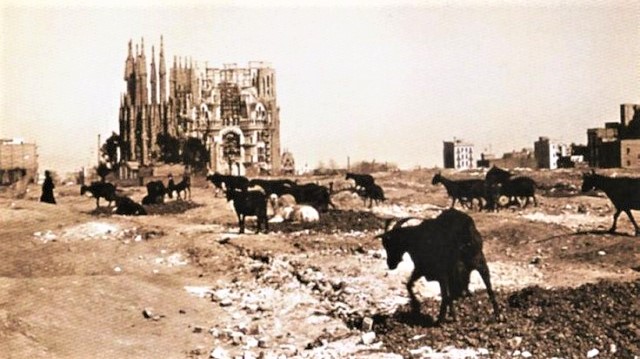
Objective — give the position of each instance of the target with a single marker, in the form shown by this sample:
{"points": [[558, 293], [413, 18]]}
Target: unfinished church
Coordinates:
{"points": [[233, 111]]}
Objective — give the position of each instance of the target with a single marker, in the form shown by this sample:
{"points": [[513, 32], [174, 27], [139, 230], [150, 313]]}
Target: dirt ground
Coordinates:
{"points": [[76, 282]]}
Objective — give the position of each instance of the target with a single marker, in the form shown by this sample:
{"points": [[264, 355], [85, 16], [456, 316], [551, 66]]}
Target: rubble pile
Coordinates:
{"points": [[98, 230], [333, 222], [568, 322]]}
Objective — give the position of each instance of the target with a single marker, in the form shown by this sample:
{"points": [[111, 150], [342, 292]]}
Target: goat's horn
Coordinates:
{"points": [[403, 221]]}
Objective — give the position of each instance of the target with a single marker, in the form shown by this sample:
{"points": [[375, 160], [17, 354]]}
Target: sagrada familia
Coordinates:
{"points": [[233, 111]]}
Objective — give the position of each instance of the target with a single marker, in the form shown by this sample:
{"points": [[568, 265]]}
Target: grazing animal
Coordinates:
{"points": [[128, 207], [100, 190], [519, 187], [182, 186], [462, 190], [374, 193], [299, 213], [499, 182], [497, 175], [362, 180], [624, 192], [230, 182], [445, 249], [312, 194], [493, 180], [249, 203], [155, 193], [272, 186]]}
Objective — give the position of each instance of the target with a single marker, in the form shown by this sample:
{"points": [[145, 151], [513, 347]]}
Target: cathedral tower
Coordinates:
{"points": [[162, 73]]}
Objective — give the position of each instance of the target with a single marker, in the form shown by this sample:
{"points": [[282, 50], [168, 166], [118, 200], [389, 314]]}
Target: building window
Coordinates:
{"points": [[628, 150]]}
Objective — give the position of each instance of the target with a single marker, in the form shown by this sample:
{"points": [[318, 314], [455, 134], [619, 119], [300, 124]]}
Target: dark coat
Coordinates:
{"points": [[47, 191]]}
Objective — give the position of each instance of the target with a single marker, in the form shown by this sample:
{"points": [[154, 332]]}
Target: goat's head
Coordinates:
{"points": [[497, 175], [392, 242], [83, 190], [436, 179], [588, 181]]}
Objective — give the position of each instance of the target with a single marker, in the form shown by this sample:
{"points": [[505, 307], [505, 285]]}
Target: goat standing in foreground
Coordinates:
{"points": [[624, 192], [249, 203], [100, 190], [445, 249]]}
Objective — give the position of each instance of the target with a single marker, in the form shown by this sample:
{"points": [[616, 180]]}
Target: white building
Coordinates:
{"points": [[458, 154], [548, 152]]}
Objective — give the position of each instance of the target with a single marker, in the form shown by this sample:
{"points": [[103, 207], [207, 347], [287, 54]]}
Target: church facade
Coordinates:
{"points": [[232, 110]]}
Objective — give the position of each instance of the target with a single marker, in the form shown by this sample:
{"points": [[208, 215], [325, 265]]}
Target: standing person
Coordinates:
{"points": [[47, 189]]}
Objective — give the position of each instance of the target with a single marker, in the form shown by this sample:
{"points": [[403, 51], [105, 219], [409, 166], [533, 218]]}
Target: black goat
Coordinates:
{"points": [[462, 190], [497, 175], [100, 190], [519, 187], [155, 193], [373, 193], [624, 192], [445, 249], [362, 180], [182, 186], [249, 203], [276, 186], [317, 196], [126, 206], [230, 182]]}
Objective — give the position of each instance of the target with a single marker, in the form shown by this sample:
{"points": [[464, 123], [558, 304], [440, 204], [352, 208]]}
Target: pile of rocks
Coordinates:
{"points": [[570, 322]]}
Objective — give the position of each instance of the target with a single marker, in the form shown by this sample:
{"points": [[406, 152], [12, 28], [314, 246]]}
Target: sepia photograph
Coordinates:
{"points": [[320, 179]]}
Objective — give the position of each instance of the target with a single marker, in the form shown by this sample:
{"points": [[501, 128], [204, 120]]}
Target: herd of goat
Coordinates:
{"points": [[445, 249]]}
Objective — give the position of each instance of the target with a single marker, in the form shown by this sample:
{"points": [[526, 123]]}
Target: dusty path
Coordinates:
{"points": [[78, 283]]}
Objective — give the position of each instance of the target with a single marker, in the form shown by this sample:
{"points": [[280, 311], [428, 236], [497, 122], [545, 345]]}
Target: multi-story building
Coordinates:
{"points": [[547, 153], [18, 161], [458, 154], [616, 145], [232, 110]]}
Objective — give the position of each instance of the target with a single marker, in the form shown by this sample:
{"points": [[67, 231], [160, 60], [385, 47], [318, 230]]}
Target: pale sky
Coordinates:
{"points": [[388, 81]]}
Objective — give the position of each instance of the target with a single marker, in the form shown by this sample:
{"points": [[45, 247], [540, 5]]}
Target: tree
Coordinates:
{"points": [[169, 148], [195, 154], [231, 149], [109, 150]]}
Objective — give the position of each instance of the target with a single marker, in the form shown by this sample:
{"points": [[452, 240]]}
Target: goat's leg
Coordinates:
{"points": [[241, 222], [483, 269], [415, 304], [635, 225], [535, 201], [615, 221], [97, 202], [446, 299]]}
